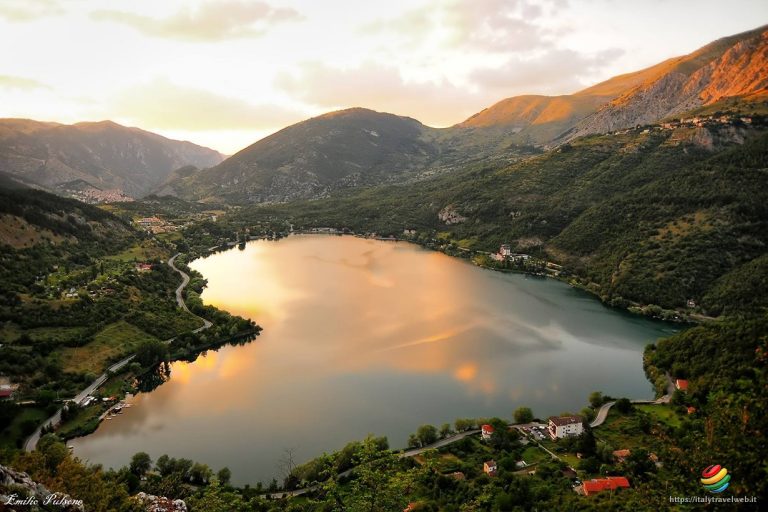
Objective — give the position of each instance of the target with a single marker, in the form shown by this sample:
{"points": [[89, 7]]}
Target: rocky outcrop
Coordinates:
{"points": [[739, 70], [19, 492], [450, 215], [160, 504]]}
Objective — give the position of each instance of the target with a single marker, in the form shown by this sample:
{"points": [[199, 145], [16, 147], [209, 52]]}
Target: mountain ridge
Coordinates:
{"points": [[104, 154], [339, 150]]}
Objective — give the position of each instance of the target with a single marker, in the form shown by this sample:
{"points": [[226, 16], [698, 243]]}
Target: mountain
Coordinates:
{"points": [[359, 147], [656, 215], [104, 155], [29, 217], [730, 67], [348, 148], [735, 66]]}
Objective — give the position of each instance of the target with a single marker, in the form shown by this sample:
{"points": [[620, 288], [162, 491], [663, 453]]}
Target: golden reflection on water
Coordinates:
{"points": [[366, 337]]}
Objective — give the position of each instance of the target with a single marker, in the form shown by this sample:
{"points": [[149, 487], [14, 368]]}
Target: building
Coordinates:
{"points": [[486, 432], [681, 384], [490, 468], [148, 222], [409, 232], [143, 267], [565, 426], [7, 391], [608, 483], [505, 250], [621, 455]]}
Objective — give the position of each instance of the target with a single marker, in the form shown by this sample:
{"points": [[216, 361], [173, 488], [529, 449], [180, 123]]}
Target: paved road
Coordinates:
{"points": [[180, 289], [408, 453], [32, 440], [602, 413]]}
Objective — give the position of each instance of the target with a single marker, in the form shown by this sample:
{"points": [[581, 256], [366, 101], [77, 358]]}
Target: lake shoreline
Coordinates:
{"points": [[638, 382]]}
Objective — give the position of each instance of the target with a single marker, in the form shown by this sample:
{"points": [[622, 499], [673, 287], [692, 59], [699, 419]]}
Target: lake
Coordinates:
{"points": [[363, 336]]}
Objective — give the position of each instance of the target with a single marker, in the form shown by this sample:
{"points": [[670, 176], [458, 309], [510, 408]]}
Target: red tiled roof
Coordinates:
{"points": [[604, 484], [4, 393], [487, 428], [681, 384], [621, 453]]}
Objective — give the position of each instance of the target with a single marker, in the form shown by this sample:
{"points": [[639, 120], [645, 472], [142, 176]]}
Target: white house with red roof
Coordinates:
{"points": [[486, 432], [681, 384]]}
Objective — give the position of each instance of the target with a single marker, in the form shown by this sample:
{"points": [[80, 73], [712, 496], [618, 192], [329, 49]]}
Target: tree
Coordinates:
{"points": [[427, 434], [523, 415], [595, 399], [464, 424], [224, 475], [140, 463], [200, 474], [215, 499], [53, 450], [163, 465], [623, 405], [446, 430], [151, 352], [588, 414]]}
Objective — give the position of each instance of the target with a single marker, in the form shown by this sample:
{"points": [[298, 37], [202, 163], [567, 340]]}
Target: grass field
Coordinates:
{"points": [[13, 434], [661, 413], [86, 421], [623, 431], [114, 341], [144, 251], [533, 454], [10, 332]]}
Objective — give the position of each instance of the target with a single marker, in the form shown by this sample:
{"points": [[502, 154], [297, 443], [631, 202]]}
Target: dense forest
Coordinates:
{"points": [[651, 216]]}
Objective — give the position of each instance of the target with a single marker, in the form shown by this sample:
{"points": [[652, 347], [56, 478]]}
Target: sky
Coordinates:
{"points": [[225, 73]]}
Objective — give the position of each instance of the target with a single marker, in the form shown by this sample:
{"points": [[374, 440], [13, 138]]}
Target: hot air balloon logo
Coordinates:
{"points": [[715, 478]]}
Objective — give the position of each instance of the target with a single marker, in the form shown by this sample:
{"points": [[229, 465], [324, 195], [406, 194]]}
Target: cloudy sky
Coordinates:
{"points": [[224, 73]]}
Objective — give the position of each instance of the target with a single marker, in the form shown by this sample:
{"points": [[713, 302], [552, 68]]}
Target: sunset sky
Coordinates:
{"points": [[224, 73]]}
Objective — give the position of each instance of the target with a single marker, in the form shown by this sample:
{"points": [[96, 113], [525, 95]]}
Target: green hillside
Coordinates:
{"points": [[652, 215]]}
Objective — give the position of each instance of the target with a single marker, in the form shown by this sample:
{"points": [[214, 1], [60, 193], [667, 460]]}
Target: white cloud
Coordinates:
{"points": [[211, 21], [381, 87], [552, 72], [19, 82], [27, 10], [164, 105]]}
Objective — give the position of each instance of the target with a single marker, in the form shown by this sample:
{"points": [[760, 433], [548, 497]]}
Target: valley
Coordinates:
{"points": [[558, 303]]}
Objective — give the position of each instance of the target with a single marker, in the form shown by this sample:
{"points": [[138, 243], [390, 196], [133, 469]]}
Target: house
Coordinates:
{"points": [[486, 432], [7, 391], [608, 483], [691, 410], [621, 455], [690, 303], [490, 468], [409, 232], [505, 250], [143, 267], [565, 426], [681, 384]]}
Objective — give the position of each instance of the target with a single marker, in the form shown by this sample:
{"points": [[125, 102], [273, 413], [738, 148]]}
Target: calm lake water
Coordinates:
{"points": [[362, 336]]}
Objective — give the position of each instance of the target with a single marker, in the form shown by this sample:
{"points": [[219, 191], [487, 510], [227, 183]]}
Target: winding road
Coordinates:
{"points": [[407, 453], [32, 440]]}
